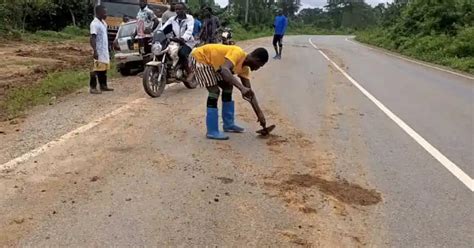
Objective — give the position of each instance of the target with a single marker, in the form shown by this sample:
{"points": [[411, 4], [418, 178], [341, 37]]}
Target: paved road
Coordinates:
{"points": [[338, 171]]}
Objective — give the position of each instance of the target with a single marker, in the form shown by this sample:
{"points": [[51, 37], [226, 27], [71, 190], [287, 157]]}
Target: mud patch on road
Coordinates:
{"points": [[339, 61], [121, 149], [342, 190], [296, 240], [308, 210], [225, 180], [275, 140]]}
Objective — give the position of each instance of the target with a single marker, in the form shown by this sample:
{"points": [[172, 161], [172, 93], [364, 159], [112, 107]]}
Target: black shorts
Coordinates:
{"points": [[278, 39]]}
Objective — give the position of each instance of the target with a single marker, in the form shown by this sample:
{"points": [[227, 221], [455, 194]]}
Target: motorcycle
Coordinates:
{"points": [[225, 36], [164, 67]]}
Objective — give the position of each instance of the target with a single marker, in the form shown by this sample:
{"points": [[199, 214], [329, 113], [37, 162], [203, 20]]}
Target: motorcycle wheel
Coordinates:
{"points": [[150, 81]]}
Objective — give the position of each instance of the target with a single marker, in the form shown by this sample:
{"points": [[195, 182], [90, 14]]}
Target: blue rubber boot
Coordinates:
{"points": [[228, 116], [212, 123]]}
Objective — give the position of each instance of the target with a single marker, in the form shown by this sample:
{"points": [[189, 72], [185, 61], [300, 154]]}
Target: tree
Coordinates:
{"points": [[73, 8], [289, 7], [196, 5]]}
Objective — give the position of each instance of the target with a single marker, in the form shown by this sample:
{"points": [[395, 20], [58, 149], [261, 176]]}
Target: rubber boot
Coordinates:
{"points": [[228, 116], [212, 123]]}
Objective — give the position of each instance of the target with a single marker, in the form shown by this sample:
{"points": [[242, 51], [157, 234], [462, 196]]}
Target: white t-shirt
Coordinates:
{"points": [[99, 28]]}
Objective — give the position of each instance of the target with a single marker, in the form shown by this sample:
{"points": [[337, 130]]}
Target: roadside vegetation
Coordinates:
{"points": [[440, 32], [45, 91], [38, 67]]}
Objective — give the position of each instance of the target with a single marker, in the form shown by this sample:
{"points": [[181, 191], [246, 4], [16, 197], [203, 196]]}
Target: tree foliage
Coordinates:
{"points": [[33, 15], [440, 31]]}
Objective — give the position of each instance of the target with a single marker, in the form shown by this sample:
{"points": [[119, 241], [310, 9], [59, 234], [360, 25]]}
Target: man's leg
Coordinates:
{"points": [[212, 118], [228, 109], [280, 44], [275, 45], [102, 76], [183, 54], [93, 83]]}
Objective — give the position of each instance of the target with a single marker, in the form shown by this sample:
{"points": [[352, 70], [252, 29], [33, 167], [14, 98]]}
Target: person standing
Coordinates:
{"points": [[210, 26], [197, 26], [171, 12], [100, 46], [280, 25], [147, 20]]}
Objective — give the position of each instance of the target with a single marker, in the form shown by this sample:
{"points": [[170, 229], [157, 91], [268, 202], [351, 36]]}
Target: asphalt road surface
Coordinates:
{"points": [[341, 170]]}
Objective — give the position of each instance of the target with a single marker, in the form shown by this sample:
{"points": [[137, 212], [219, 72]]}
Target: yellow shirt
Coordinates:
{"points": [[215, 55]]}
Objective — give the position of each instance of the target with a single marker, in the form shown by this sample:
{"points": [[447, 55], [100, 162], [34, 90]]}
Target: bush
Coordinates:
{"points": [[463, 44], [453, 51], [75, 31], [435, 31]]}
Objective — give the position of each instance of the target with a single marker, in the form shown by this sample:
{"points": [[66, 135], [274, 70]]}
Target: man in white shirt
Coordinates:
{"points": [[182, 27], [100, 46]]}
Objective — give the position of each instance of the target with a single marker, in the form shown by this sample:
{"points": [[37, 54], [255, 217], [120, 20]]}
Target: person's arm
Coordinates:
{"points": [[285, 26], [165, 27], [226, 73], [93, 42], [188, 34], [245, 82], [254, 102], [155, 19], [203, 29]]}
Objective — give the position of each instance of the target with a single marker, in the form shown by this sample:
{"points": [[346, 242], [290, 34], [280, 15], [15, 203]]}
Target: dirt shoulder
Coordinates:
{"points": [[25, 64]]}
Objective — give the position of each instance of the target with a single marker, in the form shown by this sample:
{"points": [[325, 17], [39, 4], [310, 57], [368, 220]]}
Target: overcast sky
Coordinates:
{"points": [[314, 3]]}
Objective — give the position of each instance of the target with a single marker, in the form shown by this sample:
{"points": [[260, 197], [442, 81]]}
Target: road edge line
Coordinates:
{"points": [[448, 164], [411, 60], [12, 164]]}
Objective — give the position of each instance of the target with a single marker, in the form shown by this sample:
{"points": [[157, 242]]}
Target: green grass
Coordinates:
{"points": [[452, 51], [68, 33], [241, 34], [54, 85]]}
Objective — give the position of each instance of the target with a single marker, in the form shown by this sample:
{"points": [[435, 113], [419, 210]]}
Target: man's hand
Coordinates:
{"points": [[181, 41], [96, 55]]}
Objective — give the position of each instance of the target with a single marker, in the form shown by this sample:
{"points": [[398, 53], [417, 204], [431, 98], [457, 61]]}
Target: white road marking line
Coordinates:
{"points": [[10, 165], [412, 61], [448, 164]]}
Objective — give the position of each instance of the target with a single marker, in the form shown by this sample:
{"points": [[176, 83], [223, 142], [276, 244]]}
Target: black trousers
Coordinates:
{"points": [[278, 40], [101, 76]]}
